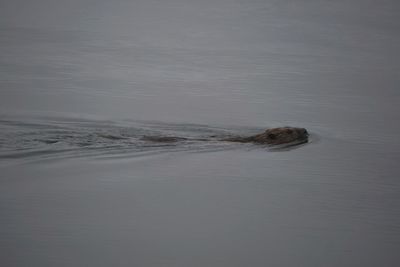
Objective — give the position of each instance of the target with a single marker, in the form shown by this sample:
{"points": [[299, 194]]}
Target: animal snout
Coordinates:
{"points": [[304, 132]]}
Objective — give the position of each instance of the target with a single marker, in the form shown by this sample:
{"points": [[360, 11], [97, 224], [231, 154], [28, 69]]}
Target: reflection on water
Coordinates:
{"points": [[91, 192]]}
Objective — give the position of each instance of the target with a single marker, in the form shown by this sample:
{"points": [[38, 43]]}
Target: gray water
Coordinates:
{"points": [[82, 81]]}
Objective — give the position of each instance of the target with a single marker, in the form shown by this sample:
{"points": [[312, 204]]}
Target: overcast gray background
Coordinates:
{"points": [[330, 66]]}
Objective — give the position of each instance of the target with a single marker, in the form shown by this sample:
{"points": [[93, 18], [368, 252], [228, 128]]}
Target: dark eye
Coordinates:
{"points": [[271, 136]]}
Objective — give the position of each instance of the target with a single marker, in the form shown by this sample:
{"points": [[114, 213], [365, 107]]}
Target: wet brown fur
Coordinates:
{"points": [[273, 136]]}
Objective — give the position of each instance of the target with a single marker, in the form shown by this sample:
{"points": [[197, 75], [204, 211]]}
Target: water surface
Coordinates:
{"points": [[82, 81]]}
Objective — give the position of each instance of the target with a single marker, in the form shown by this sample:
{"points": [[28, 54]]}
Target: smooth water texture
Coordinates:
{"points": [[82, 81]]}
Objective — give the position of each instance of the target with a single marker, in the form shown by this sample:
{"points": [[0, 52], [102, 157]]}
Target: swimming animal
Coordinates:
{"points": [[273, 136]]}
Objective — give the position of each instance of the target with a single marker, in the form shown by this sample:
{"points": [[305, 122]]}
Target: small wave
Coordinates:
{"points": [[39, 139], [63, 138]]}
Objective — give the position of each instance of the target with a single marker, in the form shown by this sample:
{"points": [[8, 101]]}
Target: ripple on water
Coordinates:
{"points": [[41, 139], [50, 139]]}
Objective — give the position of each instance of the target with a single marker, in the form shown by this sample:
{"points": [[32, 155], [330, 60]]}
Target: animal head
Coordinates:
{"points": [[282, 135]]}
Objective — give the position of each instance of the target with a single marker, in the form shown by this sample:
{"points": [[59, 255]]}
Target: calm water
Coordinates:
{"points": [[82, 81]]}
